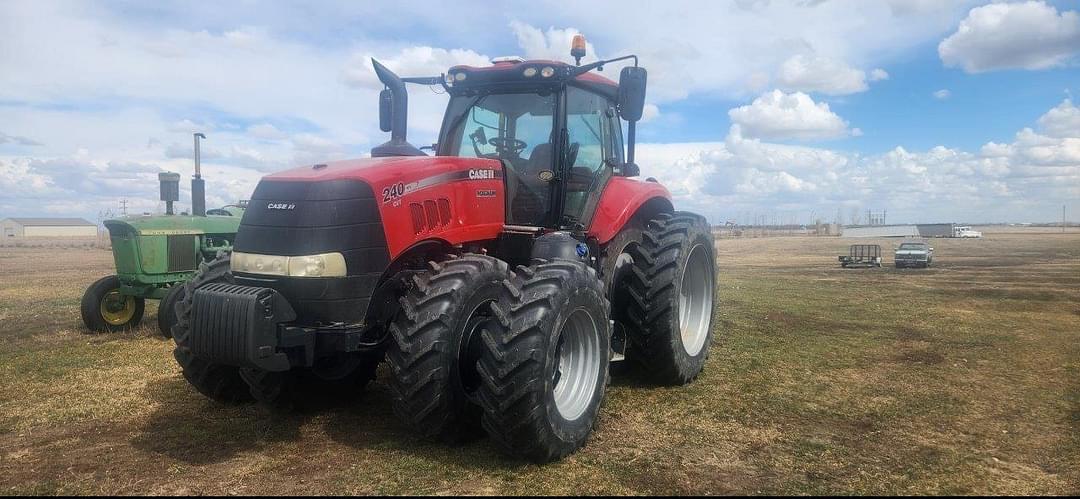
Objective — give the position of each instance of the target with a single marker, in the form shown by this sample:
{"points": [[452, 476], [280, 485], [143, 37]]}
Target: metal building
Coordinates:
{"points": [[881, 231], [47, 227]]}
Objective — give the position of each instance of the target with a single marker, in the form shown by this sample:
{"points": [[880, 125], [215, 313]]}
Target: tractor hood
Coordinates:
{"points": [[169, 225], [387, 203], [368, 211], [385, 171]]}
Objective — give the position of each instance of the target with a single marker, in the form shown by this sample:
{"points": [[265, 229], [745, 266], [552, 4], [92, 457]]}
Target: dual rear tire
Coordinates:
{"points": [[669, 297]]}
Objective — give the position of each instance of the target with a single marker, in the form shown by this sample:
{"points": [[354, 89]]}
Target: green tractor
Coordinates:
{"points": [[155, 255]]}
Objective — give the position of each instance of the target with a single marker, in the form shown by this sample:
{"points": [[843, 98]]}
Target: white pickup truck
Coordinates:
{"points": [[965, 231]]}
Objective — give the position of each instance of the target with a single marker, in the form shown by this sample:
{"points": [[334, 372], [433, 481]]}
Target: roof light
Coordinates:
{"points": [[459, 77], [547, 72], [577, 47], [512, 59], [449, 77], [529, 72]]}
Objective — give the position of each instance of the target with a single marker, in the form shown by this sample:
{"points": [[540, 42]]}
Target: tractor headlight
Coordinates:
{"points": [[322, 265], [259, 264]]}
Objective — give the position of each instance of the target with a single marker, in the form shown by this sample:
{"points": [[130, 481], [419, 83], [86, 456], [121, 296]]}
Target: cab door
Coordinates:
{"points": [[594, 148]]}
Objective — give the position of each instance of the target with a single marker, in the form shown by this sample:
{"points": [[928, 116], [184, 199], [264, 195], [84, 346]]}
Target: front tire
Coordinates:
{"points": [[436, 344], [673, 289], [105, 310], [218, 382], [545, 360]]}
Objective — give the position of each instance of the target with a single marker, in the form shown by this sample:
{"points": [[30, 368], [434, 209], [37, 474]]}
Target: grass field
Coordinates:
{"points": [[963, 378]]}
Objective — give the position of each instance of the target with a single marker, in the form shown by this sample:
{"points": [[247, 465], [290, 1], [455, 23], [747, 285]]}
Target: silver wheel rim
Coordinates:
{"points": [[696, 300], [577, 368]]}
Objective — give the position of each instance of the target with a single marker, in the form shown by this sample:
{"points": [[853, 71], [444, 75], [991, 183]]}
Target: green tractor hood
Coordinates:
{"points": [[154, 252], [167, 225]]}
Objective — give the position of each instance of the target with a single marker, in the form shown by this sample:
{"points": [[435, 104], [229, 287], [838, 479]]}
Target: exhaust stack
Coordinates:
{"points": [[198, 186], [393, 111]]}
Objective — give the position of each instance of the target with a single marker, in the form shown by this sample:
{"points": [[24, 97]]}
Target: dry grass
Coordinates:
{"points": [[963, 378]]}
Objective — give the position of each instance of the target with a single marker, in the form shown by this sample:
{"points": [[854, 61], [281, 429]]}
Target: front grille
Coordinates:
{"points": [[293, 218], [181, 253]]}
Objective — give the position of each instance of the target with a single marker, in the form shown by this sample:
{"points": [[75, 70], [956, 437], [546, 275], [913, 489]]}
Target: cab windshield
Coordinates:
{"points": [[912, 246], [515, 128], [519, 130]]}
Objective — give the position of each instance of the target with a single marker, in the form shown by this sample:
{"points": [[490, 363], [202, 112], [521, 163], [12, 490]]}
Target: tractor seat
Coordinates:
{"points": [[541, 157]]}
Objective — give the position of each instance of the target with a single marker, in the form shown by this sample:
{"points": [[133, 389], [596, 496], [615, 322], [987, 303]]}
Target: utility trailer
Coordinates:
{"points": [[867, 255]]}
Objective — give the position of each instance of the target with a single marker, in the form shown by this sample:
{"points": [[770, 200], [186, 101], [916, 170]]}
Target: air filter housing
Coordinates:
{"points": [[170, 189]]}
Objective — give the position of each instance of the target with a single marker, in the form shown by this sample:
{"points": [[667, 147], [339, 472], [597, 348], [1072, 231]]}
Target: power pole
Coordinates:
{"points": [[1062, 219], [123, 207]]}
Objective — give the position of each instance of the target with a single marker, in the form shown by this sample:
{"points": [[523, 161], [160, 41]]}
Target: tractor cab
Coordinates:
{"points": [[555, 127], [537, 128]]}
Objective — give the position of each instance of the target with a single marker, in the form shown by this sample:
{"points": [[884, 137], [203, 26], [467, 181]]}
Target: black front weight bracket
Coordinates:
{"points": [[248, 326], [238, 326]]}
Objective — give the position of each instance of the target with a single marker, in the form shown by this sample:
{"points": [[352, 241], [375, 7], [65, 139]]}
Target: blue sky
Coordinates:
{"points": [[935, 110]]}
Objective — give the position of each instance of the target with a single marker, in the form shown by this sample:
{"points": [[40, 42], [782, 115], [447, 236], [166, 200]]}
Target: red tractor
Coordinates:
{"points": [[498, 277]]}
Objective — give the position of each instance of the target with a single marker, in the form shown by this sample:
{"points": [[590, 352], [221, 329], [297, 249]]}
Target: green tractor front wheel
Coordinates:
{"points": [[105, 309]]}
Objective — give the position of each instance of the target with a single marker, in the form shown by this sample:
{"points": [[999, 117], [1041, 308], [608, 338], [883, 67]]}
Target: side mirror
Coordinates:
{"points": [[632, 92], [386, 110]]}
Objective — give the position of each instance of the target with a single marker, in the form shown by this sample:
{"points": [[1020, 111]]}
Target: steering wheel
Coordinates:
{"points": [[506, 144]]}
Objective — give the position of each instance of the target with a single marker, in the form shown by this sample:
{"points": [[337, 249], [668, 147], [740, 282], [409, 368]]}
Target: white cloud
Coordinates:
{"points": [[814, 73], [1061, 121], [879, 75], [942, 94], [779, 115], [553, 44], [1024, 35], [266, 131], [747, 179], [17, 140], [649, 113]]}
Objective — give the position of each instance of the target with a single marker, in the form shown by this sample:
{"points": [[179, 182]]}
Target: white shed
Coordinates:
{"points": [[47, 227], [882, 231]]}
